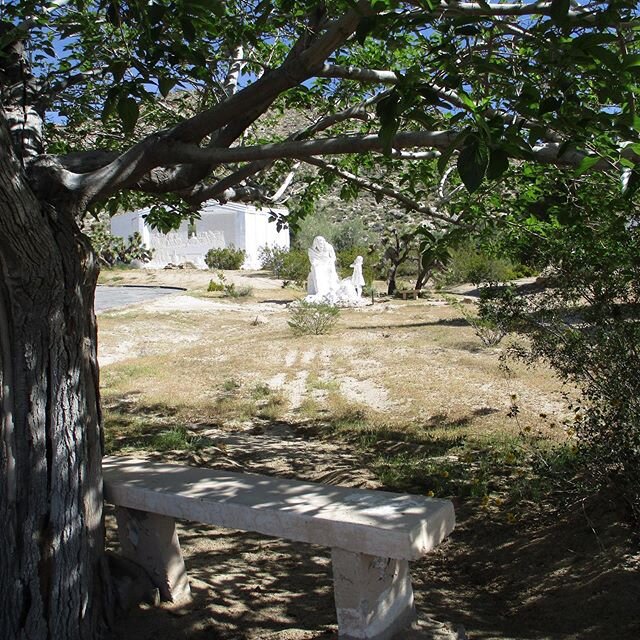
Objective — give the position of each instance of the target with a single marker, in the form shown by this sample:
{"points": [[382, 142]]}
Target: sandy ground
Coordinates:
{"points": [[551, 576]]}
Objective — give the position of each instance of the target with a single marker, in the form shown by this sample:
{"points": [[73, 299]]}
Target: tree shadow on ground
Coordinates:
{"points": [[445, 322], [553, 572]]}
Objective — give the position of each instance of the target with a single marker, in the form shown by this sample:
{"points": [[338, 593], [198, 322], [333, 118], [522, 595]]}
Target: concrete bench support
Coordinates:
{"points": [[374, 597], [151, 540]]}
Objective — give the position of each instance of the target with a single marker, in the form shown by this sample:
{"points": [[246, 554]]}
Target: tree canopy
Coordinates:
{"points": [[185, 99], [112, 103]]}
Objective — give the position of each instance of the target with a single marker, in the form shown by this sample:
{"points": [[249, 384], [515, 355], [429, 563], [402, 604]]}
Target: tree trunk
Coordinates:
{"points": [[391, 279], [51, 546]]}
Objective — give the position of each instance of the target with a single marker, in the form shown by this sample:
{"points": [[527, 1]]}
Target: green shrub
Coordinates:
{"points": [[291, 265], [308, 318], [233, 291], [469, 264], [346, 257], [225, 258], [585, 323], [215, 286]]}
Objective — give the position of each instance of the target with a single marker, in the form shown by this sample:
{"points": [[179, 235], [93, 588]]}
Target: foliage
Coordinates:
{"points": [[585, 322], [225, 258], [310, 318], [344, 236], [215, 286], [229, 289], [290, 265], [111, 250], [467, 263], [346, 257], [490, 330]]}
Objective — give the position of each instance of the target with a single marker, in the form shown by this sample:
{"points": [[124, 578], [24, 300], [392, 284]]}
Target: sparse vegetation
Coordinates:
{"points": [[310, 318]]}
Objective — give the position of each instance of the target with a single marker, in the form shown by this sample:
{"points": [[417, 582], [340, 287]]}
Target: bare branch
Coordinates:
{"points": [[230, 85]]}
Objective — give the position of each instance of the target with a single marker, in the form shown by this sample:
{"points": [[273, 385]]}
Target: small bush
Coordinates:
{"points": [[215, 286], [225, 258], [112, 250], [308, 318], [229, 289], [232, 291]]}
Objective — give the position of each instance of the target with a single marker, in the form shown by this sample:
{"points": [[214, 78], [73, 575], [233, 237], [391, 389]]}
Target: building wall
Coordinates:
{"points": [[242, 226]]}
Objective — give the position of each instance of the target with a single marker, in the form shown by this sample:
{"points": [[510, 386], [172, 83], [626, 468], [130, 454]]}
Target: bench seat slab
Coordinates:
{"points": [[373, 595], [378, 523]]}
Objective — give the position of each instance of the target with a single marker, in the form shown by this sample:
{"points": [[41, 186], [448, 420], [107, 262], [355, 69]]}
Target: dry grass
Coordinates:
{"points": [[402, 395], [396, 371]]}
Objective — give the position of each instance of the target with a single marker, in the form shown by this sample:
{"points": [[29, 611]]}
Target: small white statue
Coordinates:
{"points": [[357, 278], [323, 277]]}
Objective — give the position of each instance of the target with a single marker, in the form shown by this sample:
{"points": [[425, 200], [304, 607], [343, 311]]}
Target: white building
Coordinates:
{"points": [[242, 226]]}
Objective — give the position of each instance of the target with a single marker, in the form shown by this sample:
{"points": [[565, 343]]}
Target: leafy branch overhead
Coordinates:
{"points": [[204, 99]]}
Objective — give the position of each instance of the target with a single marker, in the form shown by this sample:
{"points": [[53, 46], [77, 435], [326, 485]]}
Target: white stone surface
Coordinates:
{"points": [[377, 523], [374, 597], [151, 541]]}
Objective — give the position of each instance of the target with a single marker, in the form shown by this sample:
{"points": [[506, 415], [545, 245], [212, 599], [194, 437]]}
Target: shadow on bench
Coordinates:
{"points": [[372, 534]]}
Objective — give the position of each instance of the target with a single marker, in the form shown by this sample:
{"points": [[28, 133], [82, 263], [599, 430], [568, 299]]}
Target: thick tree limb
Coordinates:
{"points": [[452, 7], [441, 140], [303, 59]]}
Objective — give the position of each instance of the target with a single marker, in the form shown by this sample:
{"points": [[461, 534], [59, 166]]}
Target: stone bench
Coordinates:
{"points": [[409, 293], [372, 534]]}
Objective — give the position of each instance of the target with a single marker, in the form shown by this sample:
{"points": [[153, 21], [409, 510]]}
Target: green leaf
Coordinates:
{"points": [[549, 104], [559, 9], [586, 163], [128, 111], [365, 27], [387, 111], [608, 58], [472, 162], [467, 101], [498, 163], [632, 61], [165, 85]]}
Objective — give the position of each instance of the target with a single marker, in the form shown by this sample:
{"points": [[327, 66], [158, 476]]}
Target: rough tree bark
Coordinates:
{"points": [[50, 423]]}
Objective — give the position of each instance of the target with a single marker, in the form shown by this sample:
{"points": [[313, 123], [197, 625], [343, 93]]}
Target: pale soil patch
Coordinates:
{"points": [[403, 365]]}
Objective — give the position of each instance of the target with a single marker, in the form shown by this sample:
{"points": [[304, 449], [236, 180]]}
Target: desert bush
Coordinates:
{"points": [[229, 289], [291, 265], [233, 291], [585, 325], [346, 257], [215, 286], [225, 258], [308, 318], [470, 264]]}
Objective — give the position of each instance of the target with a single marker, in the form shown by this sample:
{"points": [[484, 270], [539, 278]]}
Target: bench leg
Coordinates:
{"points": [[151, 541], [374, 598]]}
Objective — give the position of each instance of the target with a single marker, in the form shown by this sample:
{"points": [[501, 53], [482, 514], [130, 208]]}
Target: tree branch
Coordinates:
{"points": [[545, 153], [374, 187]]}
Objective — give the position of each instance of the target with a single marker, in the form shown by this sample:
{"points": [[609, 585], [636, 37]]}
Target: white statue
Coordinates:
{"points": [[323, 277], [323, 284], [357, 278]]}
